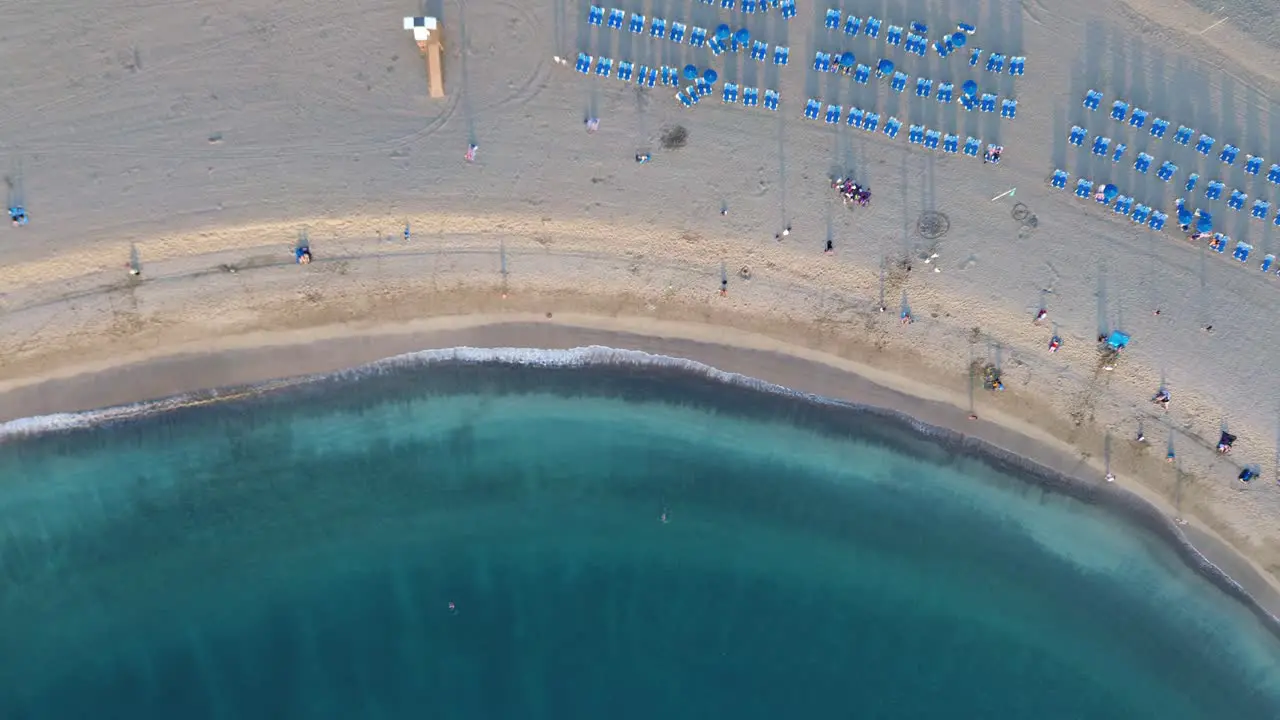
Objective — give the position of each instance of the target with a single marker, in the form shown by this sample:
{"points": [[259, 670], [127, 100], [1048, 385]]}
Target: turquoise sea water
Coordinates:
{"points": [[295, 554]]}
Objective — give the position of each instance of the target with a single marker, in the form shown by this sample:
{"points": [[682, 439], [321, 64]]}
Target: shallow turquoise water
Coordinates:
{"points": [[295, 556]]}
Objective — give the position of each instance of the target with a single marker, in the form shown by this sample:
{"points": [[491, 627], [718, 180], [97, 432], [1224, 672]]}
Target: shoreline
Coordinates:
{"points": [[248, 362]]}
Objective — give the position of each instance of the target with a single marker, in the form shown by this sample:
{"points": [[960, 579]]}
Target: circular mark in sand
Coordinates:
{"points": [[933, 225], [745, 272], [1031, 222], [1020, 212], [674, 138]]}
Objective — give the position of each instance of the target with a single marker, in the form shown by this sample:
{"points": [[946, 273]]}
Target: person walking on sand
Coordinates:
{"points": [[471, 152]]}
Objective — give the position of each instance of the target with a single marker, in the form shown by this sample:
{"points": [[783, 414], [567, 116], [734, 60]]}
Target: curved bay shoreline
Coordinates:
{"points": [[238, 371]]}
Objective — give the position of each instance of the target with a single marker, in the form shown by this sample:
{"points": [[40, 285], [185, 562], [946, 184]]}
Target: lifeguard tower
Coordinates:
{"points": [[426, 31]]}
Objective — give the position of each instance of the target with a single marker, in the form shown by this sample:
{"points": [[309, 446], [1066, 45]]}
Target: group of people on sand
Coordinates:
{"points": [[852, 191]]}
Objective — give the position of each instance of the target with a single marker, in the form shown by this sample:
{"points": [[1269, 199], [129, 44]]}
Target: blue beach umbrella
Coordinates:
{"points": [[723, 32], [690, 72], [1184, 216], [847, 59], [710, 76], [1110, 192], [742, 36], [959, 39], [1205, 223], [969, 88], [885, 67]]}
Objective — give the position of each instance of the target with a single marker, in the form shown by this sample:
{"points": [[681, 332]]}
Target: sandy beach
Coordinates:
{"points": [[205, 144]]}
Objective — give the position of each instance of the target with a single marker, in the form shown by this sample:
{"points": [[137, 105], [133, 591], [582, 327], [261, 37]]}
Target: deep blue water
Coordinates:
{"points": [[294, 555]]}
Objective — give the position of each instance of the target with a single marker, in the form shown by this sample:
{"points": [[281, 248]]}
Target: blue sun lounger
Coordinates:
{"points": [[648, 76], [995, 63], [944, 92], [931, 139], [861, 74], [726, 4], [595, 15], [987, 103], [812, 109], [1204, 145], [893, 36], [966, 28], [637, 24], [1138, 118], [1273, 175], [1084, 188], [971, 145], [923, 87], [871, 122], [1183, 136], [919, 27], [750, 97], [1158, 128], [1191, 182], [917, 44], [749, 6], [759, 51], [1166, 171], [1157, 221], [1143, 163], [583, 65], [1009, 109], [1141, 214], [974, 56], [852, 24], [1102, 199], [1229, 154], [1124, 204], [1242, 251], [1017, 65], [624, 71], [1252, 164], [1059, 179], [1092, 99], [616, 18], [604, 66], [771, 98], [855, 117], [1119, 153], [1277, 222], [833, 19], [1119, 109], [685, 100], [915, 134], [872, 28], [1237, 200], [1267, 262], [1260, 209], [951, 143], [1100, 145], [698, 37], [891, 127], [1077, 135], [781, 54], [1213, 190], [704, 87], [833, 114], [716, 47], [968, 102], [729, 94], [943, 47], [677, 33], [899, 82], [658, 28], [788, 9], [1220, 243], [822, 61]]}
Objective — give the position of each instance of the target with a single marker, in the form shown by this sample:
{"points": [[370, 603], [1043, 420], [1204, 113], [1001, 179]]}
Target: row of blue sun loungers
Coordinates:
{"points": [[1204, 144], [924, 88], [1258, 211], [870, 121], [698, 37], [646, 76], [914, 40], [788, 7]]}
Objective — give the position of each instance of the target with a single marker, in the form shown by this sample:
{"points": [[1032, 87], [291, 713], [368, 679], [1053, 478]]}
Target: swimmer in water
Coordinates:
{"points": [[453, 608], [664, 517]]}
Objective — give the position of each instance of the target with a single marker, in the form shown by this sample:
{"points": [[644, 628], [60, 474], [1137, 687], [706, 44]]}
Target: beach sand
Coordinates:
{"points": [[207, 142]]}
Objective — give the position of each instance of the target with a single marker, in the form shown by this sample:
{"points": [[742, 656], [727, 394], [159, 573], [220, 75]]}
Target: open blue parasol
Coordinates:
{"points": [[1110, 191], [884, 67], [709, 75], [690, 72], [742, 36], [969, 88], [723, 32], [959, 39], [846, 59]]}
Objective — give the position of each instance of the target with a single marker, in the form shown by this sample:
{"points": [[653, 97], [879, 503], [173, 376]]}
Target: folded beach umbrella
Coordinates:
{"points": [[710, 76], [885, 66], [742, 36], [969, 88], [847, 59], [690, 72], [1110, 191], [959, 39], [723, 32]]}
